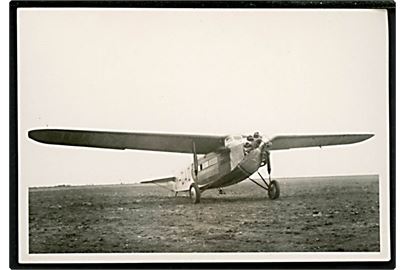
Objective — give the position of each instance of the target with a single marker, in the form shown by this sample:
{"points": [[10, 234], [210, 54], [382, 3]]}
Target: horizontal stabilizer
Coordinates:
{"points": [[300, 141], [159, 181], [179, 143]]}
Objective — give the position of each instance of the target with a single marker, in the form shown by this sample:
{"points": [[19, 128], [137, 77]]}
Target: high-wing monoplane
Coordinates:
{"points": [[218, 161]]}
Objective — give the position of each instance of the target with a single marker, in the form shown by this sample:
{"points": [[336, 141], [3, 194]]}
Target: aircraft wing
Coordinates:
{"points": [[160, 180], [300, 141], [179, 143]]}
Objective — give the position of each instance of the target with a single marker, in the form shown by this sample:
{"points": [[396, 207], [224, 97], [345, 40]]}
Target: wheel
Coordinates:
{"points": [[274, 190], [195, 193]]}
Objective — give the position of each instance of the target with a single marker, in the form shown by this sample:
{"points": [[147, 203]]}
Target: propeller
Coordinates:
{"points": [[268, 162]]}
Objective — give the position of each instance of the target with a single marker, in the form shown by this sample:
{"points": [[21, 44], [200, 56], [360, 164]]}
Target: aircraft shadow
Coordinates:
{"points": [[215, 200]]}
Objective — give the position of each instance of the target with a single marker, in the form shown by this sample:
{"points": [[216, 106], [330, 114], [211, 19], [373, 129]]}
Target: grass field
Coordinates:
{"points": [[312, 214]]}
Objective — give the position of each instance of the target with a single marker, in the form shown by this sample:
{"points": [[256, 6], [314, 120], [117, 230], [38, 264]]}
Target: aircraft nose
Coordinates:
{"points": [[251, 162]]}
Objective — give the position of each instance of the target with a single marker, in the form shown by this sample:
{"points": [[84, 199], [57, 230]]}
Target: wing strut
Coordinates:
{"points": [[195, 160]]}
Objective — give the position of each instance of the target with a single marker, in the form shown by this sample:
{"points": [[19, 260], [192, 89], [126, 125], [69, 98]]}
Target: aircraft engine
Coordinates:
{"points": [[252, 142]]}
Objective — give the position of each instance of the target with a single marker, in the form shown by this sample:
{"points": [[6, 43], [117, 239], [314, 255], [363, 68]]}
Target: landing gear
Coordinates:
{"points": [[272, 187], [273, 190], [195, 193]]}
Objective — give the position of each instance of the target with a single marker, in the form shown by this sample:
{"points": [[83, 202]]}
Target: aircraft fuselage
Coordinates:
{"points": [[226, 167]]}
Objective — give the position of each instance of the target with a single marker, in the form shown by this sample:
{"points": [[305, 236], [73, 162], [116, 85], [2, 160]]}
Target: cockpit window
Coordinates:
{"points": [[234, 138]]}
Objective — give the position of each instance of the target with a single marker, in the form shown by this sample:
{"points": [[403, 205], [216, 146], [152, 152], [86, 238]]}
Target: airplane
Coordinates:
{"points": [[218, 161]]}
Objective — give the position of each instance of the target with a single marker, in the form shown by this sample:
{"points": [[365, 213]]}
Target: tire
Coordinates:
{"points": [[195, 193], [274, 190]]}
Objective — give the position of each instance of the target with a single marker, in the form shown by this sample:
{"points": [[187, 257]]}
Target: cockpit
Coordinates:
{"points": [[233, 140]]}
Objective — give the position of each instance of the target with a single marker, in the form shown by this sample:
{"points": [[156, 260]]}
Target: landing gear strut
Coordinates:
{"points": [[272, 187]]}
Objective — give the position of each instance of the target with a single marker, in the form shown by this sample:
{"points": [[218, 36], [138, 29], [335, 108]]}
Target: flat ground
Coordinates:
{"points": [[312, 214]]}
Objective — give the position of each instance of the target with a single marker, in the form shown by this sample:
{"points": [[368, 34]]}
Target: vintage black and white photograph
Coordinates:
{"points": [[201, 135]]}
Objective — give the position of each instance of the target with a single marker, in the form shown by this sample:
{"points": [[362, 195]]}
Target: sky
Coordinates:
{"points": [[200, 72]]}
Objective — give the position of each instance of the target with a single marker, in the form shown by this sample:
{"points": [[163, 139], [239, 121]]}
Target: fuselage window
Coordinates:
{"points": [[212, 161], [208, 163], [205, 165]]}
